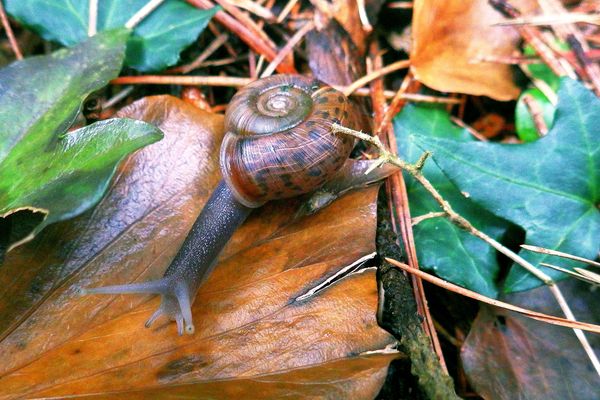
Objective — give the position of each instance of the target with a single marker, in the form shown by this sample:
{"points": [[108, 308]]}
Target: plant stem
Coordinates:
{"points": [[460, 221]]}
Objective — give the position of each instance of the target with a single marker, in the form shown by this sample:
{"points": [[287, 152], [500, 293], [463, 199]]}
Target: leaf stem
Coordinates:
{"points": [[463, 223]]}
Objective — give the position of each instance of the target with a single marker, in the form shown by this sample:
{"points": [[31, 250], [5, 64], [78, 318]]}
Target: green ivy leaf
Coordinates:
{"points": [[550, 187], [42, 167], [450, 252], [155, 43], [524, 124]]}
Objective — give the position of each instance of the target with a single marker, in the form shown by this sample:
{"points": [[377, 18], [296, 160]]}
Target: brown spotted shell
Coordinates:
{"points": [[278, 140]]}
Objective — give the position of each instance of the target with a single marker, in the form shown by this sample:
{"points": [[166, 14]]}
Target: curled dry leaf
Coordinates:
{"points": [[449, 40], [253, 331]]}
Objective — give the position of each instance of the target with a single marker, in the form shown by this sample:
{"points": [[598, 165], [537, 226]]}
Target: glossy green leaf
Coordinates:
{"points": [[43, 167], [524, 124], [550, 187], [443, 248], [155, 43]]}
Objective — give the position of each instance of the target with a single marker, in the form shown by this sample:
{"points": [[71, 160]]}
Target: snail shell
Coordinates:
{"points": [[278, 140]]}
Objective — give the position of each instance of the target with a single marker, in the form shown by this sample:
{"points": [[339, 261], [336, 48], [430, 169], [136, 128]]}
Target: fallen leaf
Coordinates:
{"points": [[271, 311], [449, 40], [549, 187], [43, 168], [154, 44], [507, 356], [347, 13]]}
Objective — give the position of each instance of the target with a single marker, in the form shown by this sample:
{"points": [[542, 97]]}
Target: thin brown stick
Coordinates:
{"points": [[398, 65], [207, 52], [537, 114], [182, 80], [9, 33], [362, 15], [446, 335], [246, 21], [567, 323], [571, 33], [221, 61], [463, 223], [511, 60], [215, 31], [551, 252], [237, 82], [245, 34], [375, 62], [594, 277], [286, 10], [592, 69], [403, 5], [288, 48], [468, 128], [397, 103], [531, 36], [254, 8], [429, 215], [257, 32], [572, 273], [555, 19]]}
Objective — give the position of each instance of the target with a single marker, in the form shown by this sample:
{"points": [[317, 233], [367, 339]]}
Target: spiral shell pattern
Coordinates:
{"points": [[278, 141]]}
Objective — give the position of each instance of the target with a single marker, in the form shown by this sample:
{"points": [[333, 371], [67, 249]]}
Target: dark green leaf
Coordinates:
{"points": [[41, 166], [155, 43], [550, 187], [442, 247]]}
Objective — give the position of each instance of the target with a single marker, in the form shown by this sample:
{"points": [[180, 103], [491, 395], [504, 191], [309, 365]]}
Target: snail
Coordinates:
{"points": [[278, 144]]}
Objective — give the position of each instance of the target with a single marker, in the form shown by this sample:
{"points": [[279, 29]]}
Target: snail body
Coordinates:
{"points": [[278, 144]]}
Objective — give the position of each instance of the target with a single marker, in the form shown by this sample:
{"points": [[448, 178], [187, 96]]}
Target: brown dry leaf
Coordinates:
{"points": [[346, 12], [254, 336], [449, 39], [508, 356]]}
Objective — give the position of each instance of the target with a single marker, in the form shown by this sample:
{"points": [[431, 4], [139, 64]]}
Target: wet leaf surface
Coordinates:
{"points": [[507, 356], [549, 187], [257, 321]]}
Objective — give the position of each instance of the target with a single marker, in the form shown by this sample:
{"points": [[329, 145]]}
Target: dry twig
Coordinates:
{"points": [[463, 223], [9, 33], [474, 295]]}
